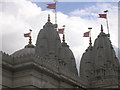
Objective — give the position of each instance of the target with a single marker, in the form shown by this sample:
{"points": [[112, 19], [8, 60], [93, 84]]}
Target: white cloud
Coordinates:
{"points": [[20, 16]]}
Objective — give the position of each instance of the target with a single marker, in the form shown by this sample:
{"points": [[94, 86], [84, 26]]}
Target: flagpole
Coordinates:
{"points": [[107, 22]]}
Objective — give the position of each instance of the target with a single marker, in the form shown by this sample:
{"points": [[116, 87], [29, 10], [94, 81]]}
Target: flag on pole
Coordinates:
{"points": [[51, 6], [61, 31], [86, 34], [102, 16], [27, 35]]}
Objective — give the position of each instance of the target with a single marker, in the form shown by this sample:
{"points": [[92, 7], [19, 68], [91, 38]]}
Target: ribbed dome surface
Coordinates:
{"points": [[29, 49]]}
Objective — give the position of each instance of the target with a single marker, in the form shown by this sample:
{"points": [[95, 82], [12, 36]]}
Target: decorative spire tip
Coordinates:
{"points": [[101, 28], [63, 38], [48, 17], [30, 38], [90, 42]]}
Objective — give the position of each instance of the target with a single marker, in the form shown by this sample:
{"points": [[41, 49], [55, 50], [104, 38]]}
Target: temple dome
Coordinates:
{"points": [[29, 49]]}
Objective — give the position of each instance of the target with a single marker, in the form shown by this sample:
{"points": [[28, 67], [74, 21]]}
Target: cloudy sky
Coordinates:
{"points": [[18, 16]]}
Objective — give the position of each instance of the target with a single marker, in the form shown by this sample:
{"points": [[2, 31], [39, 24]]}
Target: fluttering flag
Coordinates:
{"points": [[61, 31], [102, 16], [86, 34], [27, 35], [51, 6]]}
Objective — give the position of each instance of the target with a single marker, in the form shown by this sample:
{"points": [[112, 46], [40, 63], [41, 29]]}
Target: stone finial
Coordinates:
{"points": [[48, 17], [90, 42], [63, 34], [30, 38], [63, 38], [101, 28]]}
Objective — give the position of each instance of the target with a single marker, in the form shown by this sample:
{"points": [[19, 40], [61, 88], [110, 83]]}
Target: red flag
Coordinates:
{"points": [[102, 15], [51, 6], [86, 34], [27, 35], [61, 31]]}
